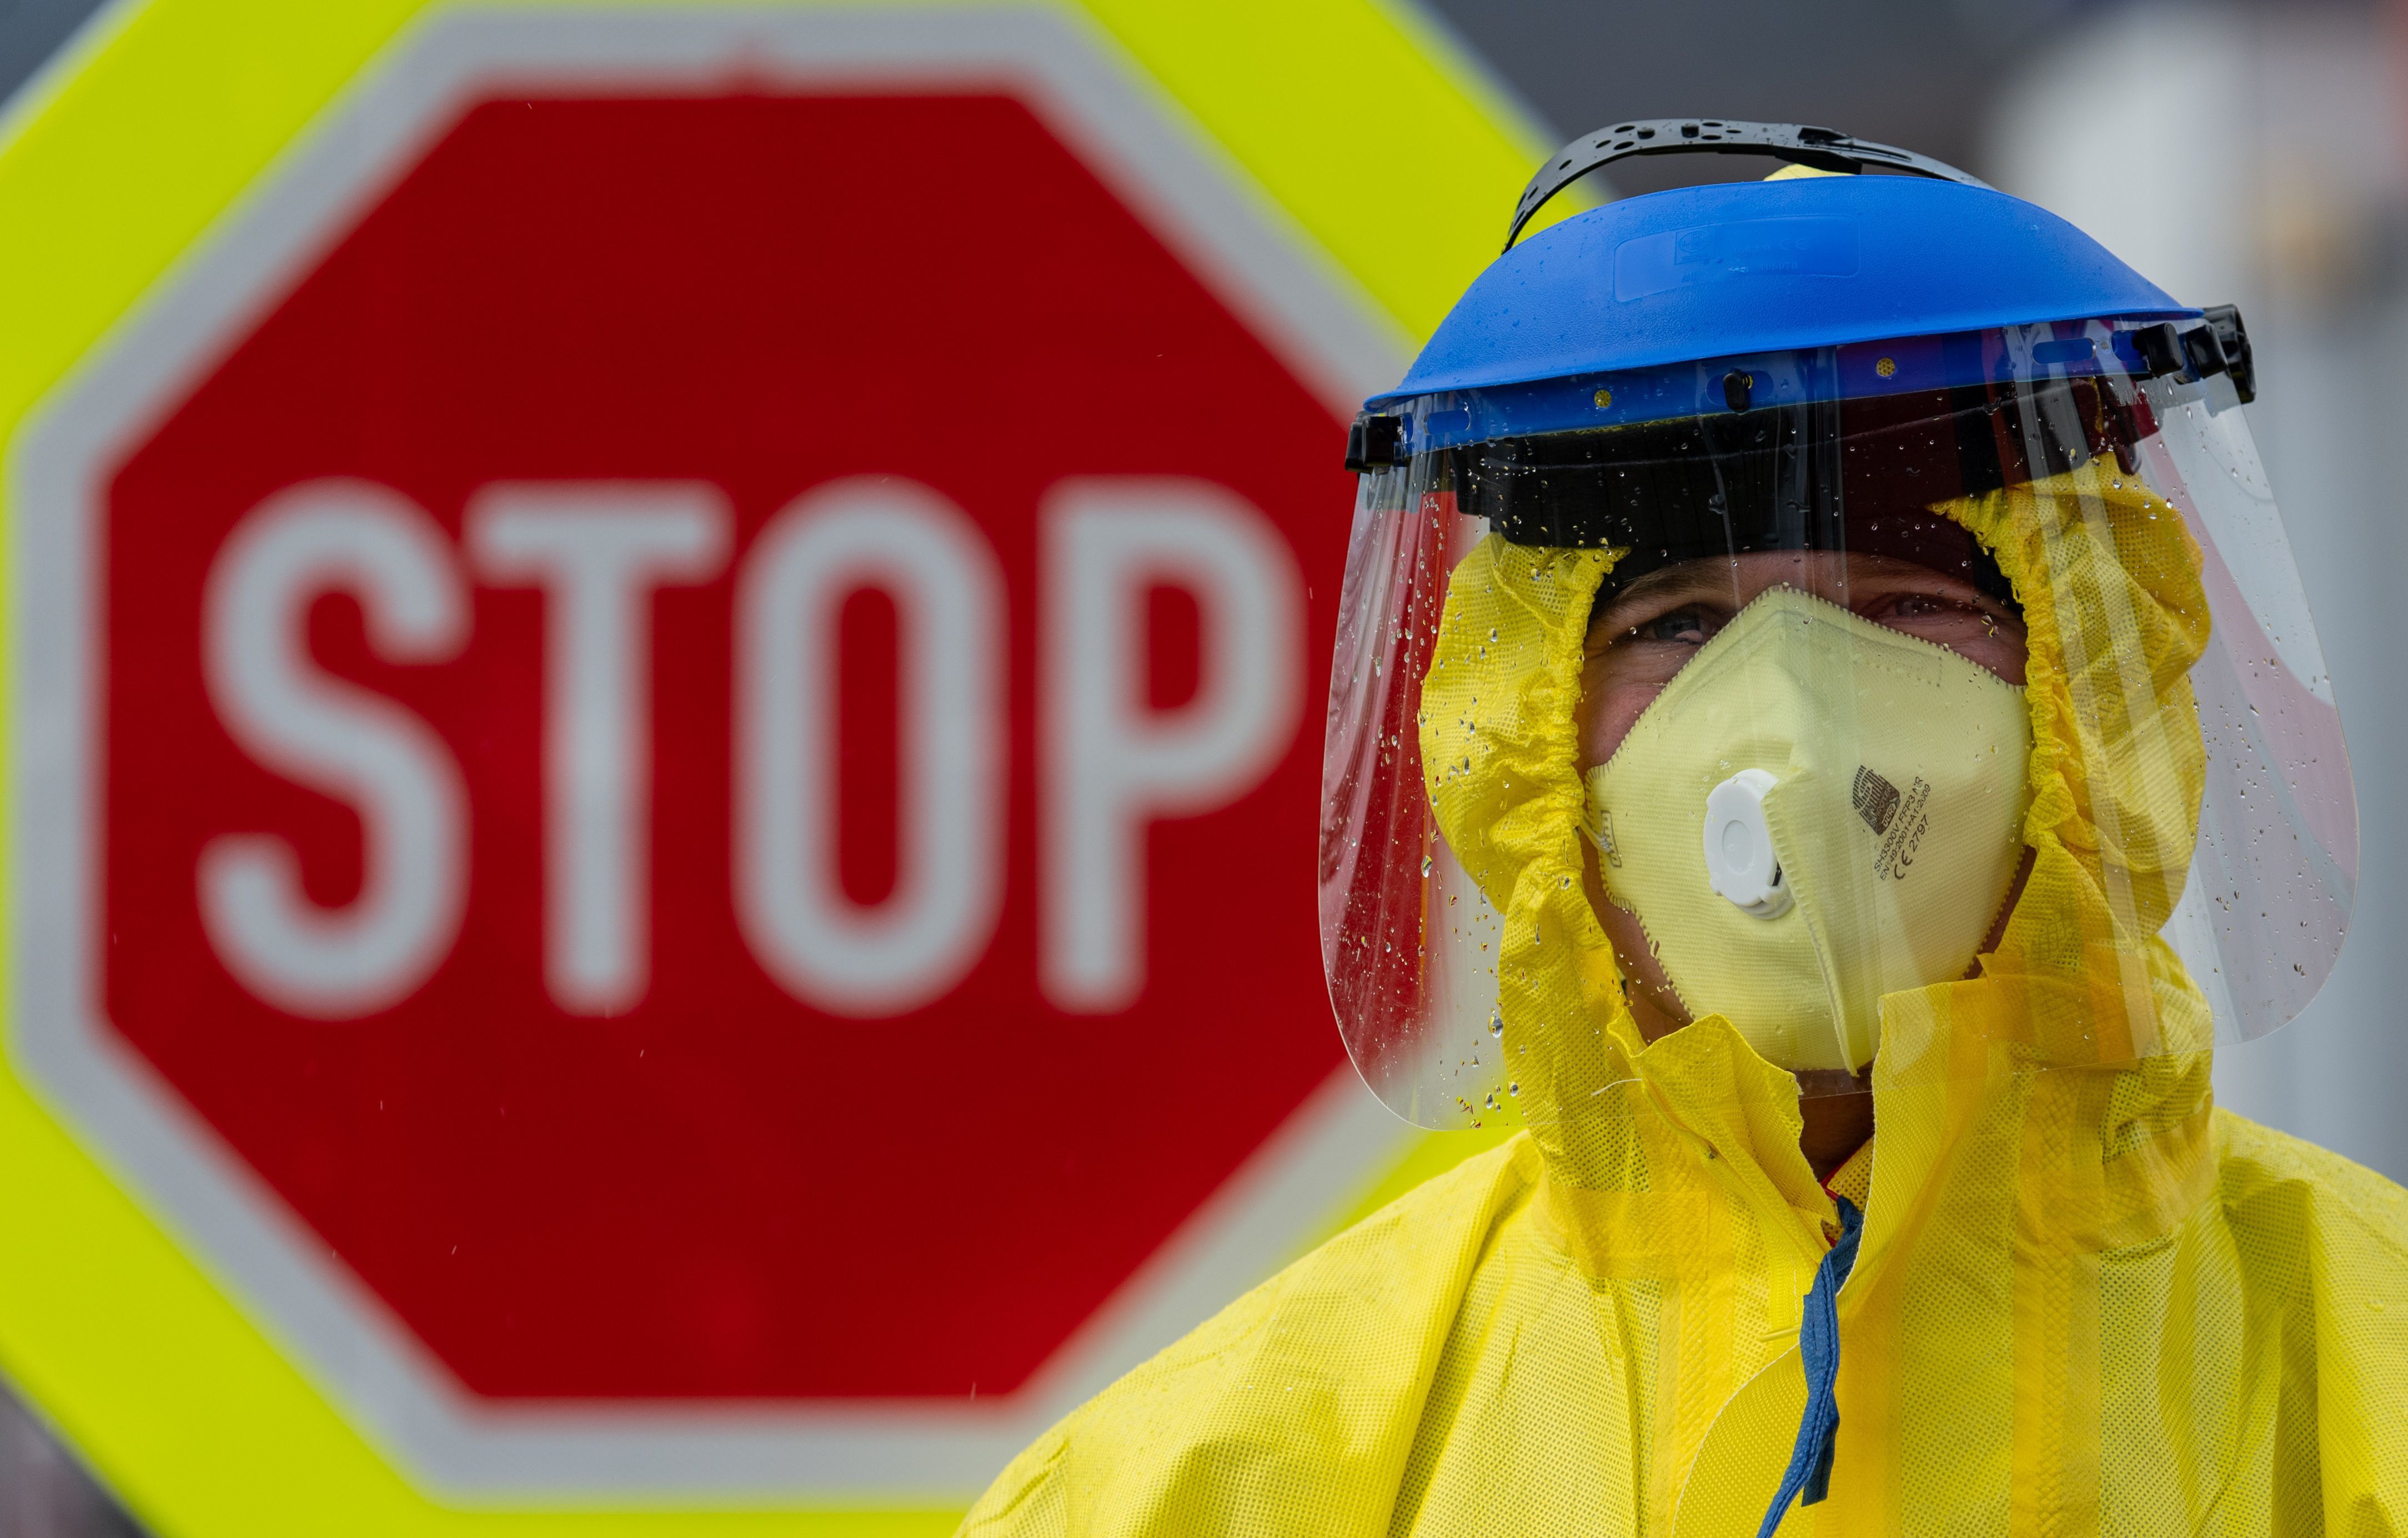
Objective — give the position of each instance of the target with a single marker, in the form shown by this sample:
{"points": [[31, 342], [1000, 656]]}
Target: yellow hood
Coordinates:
{"points": [[2109, 579]]}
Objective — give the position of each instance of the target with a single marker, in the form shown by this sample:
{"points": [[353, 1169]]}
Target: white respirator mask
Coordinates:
{"points": [[1817, 811]]}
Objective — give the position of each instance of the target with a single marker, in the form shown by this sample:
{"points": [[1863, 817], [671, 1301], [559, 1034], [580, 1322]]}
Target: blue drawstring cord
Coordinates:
{"points": [[1818, 1345]]}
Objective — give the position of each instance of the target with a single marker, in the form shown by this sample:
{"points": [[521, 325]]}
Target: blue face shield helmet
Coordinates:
{"points": [[1832, 389]]}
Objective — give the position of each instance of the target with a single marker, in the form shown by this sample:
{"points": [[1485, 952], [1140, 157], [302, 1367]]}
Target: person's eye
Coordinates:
{"points": [[1687, 626]]}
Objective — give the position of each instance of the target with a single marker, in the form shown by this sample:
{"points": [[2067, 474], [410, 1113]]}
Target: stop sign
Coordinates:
{"points": [[672, 743]]}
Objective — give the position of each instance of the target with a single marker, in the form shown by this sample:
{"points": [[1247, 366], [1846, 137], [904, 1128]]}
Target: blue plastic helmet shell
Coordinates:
{"points": [[1749, 267]]}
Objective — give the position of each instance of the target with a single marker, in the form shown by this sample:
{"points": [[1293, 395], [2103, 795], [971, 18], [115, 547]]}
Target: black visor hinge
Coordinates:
{"points": [[1800, 144], [2219, 345], [1375, 443]]}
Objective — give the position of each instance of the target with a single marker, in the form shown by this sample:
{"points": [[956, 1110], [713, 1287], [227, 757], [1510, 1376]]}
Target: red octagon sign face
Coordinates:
{"points": [[692, 679]]}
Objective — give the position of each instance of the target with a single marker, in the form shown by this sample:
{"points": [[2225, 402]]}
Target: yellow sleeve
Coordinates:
{"points": [[2332, 1237], [1292, 1410]]}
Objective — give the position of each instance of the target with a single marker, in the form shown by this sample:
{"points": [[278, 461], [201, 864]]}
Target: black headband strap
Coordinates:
{"points": [[1824, 149]]}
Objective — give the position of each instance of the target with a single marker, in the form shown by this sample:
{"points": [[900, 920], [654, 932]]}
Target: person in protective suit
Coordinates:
{"points": [[1825, 736]]}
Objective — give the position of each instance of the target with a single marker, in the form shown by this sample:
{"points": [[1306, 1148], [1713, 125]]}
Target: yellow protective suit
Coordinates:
{"points": [[2087, 1301]]}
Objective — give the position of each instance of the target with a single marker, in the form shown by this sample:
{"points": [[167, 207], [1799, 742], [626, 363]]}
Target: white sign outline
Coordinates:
{"points": [[322, 1315]]}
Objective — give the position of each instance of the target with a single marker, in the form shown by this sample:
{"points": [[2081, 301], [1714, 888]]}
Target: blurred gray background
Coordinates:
{"points": [[2234, 152]]}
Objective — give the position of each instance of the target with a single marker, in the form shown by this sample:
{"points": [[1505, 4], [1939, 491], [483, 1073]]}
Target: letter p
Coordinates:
{"points": [[1112, 763]]}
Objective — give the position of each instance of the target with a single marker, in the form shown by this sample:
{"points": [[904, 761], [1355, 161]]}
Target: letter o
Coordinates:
{"points": [[821, 947]]}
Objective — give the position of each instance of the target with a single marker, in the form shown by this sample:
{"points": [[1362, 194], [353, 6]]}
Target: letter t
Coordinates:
{"points": [[598, 550]]}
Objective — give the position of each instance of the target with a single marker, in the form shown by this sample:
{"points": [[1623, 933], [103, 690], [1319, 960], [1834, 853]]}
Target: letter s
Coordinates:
{"points": [[355, 746]]}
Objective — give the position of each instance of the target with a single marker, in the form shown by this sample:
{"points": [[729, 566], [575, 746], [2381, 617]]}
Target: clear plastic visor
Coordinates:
{"points": [[1905, 664]]}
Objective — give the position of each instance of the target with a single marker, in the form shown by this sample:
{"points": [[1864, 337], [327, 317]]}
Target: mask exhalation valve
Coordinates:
{"points": [[1741, 861]]}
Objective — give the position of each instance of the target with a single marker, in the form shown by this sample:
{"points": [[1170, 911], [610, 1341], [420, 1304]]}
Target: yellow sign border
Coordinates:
{"points": [[127, 159]]}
